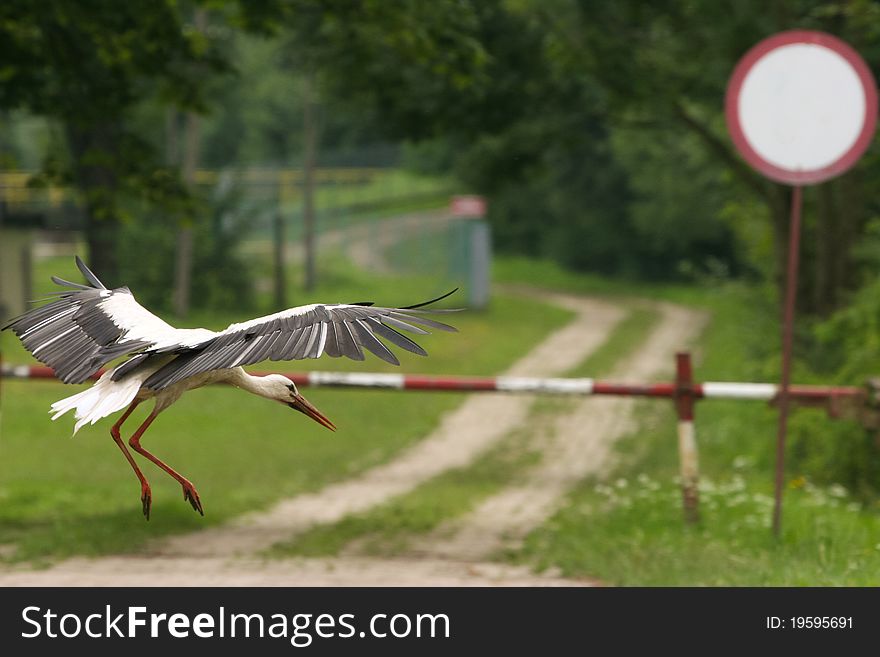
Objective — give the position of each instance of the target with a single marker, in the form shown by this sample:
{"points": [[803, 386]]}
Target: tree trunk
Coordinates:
{"points": [[836, 222], [172, 130], [823, 267], [280, 240], [852, 216], [310, 152], [779, 203], [183, 257], [94, 150]]}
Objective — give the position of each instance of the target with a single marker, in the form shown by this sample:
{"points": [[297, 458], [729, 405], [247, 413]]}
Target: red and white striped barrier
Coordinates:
{"points": [[513, 384]]}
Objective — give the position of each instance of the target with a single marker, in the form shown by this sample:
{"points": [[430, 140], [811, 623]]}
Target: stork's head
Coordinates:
{"points": [[284, 390]]}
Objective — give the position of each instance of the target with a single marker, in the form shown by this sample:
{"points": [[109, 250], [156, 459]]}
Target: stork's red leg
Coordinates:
{"points": [[146, 496], [189, 491]]}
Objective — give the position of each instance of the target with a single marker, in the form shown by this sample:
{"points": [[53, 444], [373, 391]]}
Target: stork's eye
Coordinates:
{"points": [[292, 389]]}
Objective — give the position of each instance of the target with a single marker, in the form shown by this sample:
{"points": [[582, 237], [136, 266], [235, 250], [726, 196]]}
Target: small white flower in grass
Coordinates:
{"points": [[741, 462], [621, 483], [836, 490], [736, 500]]}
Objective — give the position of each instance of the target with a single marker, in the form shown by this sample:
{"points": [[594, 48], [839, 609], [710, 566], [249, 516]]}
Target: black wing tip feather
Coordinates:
{"points": [[428, 303], [94, 282], [90, 276], [64, 283]]}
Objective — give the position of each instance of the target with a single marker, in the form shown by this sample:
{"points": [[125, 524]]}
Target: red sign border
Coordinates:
{"points": [[734, 88]]}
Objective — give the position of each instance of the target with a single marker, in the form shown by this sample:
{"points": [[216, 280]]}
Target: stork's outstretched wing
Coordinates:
{"points": [[303, 332], [87, 326]]}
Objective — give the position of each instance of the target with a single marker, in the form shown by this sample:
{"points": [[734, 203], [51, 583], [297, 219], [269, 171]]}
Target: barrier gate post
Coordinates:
{"points": [[687, 441]]}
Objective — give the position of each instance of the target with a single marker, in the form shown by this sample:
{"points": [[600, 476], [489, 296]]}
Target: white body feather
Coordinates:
{"points": [[107, 396], [102, 399], [138, 323]]}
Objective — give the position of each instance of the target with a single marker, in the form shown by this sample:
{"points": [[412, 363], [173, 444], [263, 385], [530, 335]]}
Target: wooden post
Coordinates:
{"points": [[687, 441], [183, 257]]}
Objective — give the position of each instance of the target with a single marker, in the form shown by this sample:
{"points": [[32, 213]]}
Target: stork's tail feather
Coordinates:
{"points": [[99, 401], [62, 406]]}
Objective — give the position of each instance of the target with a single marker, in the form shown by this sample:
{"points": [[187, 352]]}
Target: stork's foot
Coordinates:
{"points": [[146, 500], [191, 495]]}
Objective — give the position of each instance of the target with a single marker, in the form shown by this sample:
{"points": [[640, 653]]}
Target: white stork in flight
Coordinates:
{"points": [[87, 326]]}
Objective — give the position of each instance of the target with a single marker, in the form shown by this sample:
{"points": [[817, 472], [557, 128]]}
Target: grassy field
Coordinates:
{"points": [[627, 528], [60, 496]]}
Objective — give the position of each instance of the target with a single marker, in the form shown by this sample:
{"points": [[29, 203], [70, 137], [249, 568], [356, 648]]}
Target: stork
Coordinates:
{"points": [[86, 327]]}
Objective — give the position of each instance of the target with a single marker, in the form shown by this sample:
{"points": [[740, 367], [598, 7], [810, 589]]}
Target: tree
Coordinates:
{"points": [[87, 65], [664, 66]]}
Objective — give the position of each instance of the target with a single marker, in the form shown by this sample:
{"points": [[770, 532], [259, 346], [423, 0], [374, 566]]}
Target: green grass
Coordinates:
{"points": [[388, 528], [627, 528], [385, 187], [62, 497], [626, 336], [386, 193]]}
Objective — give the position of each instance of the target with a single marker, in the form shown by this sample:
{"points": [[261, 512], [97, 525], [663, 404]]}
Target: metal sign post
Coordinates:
{"points": [[476, 246], [801, 108]]}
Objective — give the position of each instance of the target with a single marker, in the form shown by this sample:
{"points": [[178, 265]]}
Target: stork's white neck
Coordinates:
{"points": [[273, 386]]}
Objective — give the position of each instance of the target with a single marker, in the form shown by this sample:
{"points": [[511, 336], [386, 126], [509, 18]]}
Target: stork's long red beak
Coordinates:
{"points": [[303, 406]]}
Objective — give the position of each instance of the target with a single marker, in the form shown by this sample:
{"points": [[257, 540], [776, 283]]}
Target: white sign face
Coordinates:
{"points": [[801, 107]]}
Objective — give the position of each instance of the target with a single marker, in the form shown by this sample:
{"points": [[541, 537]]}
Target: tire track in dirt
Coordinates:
{"points": [[218, 571], [574, 445]]}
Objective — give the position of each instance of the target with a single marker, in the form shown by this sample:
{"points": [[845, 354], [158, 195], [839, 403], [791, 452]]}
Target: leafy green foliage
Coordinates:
{"points": [[86, 65]]}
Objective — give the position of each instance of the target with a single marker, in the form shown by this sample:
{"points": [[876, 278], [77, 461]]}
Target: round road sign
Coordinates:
{"points": [[801, 107]]}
